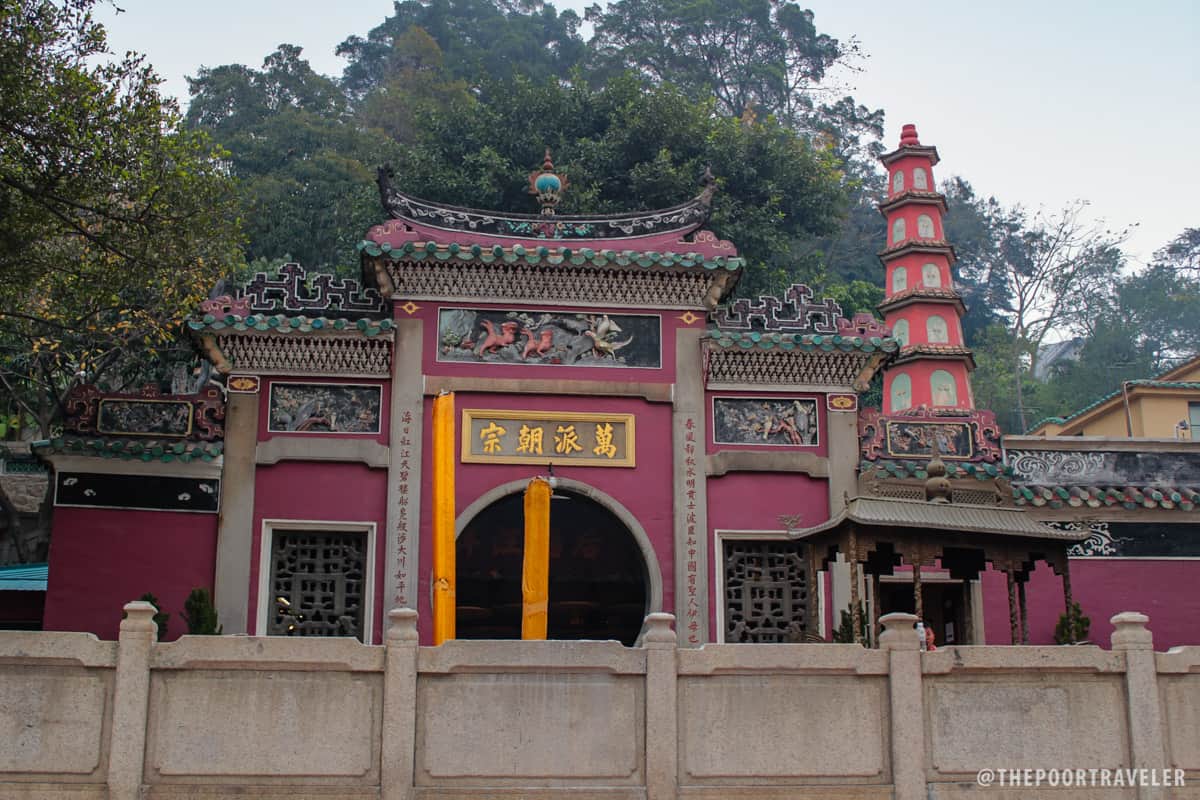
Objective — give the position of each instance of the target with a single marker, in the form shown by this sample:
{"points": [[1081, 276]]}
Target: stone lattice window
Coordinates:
{"points": [[322, 577], [766, 591]]}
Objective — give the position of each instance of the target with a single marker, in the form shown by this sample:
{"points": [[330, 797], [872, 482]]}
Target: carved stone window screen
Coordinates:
{"points": [[766, 590], [323, 577], [554, 285]]}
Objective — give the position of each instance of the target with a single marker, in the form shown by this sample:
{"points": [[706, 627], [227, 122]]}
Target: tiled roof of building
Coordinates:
{"points": [[553, 256], [956, 517], [281, 323], [1129, 497], [1146, 383], [24, 577], [126, 449], [954, 469]]}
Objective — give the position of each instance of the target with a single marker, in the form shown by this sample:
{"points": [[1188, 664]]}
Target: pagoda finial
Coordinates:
{"points": [[937, 485], [547, 185], [908, 136]]}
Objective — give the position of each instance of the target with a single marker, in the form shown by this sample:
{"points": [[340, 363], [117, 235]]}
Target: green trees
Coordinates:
{"points": [[114, 219]]}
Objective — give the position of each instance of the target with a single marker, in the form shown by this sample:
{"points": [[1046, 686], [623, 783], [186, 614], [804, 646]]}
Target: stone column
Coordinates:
{"points": [[235, 530], [662, 755], [131, 698], [404, 467], [691, 510], [1146, 742], [398, 739], [907, 705], [843, 459]]}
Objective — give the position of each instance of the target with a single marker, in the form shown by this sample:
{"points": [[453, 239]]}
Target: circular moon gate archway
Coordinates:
{"points": [[598, 576]]}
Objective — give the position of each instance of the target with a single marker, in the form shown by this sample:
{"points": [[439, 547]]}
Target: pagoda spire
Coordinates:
{"points": [[921, 305]]}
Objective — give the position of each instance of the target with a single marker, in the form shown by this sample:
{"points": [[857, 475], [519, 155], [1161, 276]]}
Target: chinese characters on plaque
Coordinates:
{"points": [[536, 437], [692, 625]]}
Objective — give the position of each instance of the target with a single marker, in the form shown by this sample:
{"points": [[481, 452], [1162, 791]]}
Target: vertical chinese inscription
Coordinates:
{"points": [[692, 625], [403, 498]]}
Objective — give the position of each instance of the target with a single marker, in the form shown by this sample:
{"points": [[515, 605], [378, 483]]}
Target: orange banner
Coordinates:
{"points": [[443, 518], [535, 577]]}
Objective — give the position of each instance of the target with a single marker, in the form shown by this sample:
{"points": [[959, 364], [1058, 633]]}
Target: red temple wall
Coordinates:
{"points": [[645, 490], [320, 491], [1163, 589], [754, 501], [103, 558]]}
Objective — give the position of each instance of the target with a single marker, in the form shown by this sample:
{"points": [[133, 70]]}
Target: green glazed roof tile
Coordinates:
{"points": [[165, 451], [806, 342], [286, 324], [553, 256]]}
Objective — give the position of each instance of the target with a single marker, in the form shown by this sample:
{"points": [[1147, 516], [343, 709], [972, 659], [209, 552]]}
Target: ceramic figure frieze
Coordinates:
{"points": [[325, 408], [922, 432], [145, 417], [795, 312], [790, 422], [555, 338], [199, 416]]}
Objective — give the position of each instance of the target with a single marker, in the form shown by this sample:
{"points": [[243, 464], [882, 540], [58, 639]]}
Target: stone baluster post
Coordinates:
{"points": [[1131, 636], [907, 705], [127, 752], [398, 739], [662, 768]]}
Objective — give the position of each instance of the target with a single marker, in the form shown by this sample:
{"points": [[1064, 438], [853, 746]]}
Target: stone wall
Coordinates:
{"points": [[25, 485], [237, 716]]}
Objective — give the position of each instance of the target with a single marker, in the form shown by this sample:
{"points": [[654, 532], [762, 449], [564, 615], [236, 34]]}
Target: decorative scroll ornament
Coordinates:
{"points": [[1100, 541], [226, 306], [1056, 466], [863, 324], [923, 432], [194, 417], [294, 292], [794, 313], [686, 216]]}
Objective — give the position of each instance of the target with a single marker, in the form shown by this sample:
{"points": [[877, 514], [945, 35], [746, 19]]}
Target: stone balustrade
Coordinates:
{"points": [[302, 719]]}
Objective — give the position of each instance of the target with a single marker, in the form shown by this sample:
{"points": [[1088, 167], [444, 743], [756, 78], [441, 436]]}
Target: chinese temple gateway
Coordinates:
{"points": [[709, 455]]}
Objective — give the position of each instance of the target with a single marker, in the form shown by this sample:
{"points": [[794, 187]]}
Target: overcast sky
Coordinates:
{"points": [[1037, 103]]}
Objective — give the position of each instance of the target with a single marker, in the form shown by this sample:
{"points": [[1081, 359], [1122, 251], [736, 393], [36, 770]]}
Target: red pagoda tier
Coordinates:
{"points": [[921, 305]]}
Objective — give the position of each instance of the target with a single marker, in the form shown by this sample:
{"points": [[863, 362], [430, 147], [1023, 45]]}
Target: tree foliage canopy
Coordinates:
{"points": [[114, 220]]}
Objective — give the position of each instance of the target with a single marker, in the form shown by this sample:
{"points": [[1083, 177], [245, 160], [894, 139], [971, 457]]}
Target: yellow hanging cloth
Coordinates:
{"points": [[535, 577], [443, 518]]}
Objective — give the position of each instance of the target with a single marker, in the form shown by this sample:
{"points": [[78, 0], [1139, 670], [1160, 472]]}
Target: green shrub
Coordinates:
{"points": [[200, 614], [1072, 626]]}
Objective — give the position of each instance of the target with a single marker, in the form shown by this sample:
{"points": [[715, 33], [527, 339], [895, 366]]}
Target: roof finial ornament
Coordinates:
{"points": [[547, 185], [908, 136], [937, 485], [708, 186]]}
